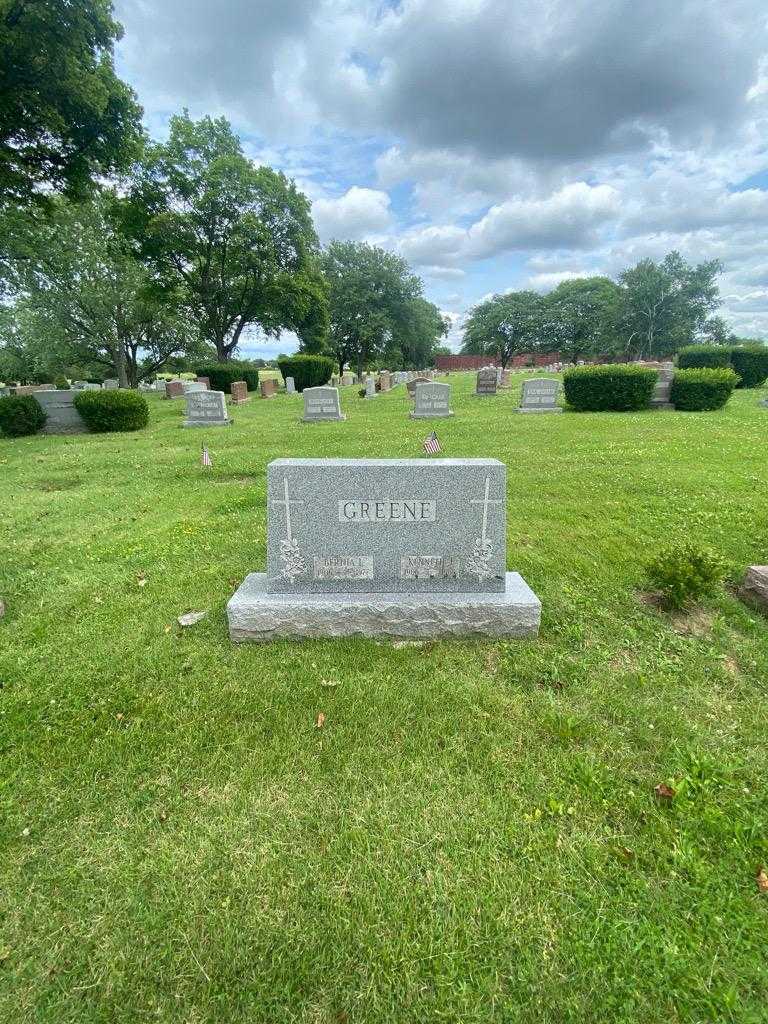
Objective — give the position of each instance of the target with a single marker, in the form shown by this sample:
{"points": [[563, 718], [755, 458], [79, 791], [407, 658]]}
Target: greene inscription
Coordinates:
{"points": [[409, 511]]}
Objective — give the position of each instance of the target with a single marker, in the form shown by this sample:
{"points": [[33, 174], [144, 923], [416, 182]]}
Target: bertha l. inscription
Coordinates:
{"points": [[413, 510], [343, 567]]}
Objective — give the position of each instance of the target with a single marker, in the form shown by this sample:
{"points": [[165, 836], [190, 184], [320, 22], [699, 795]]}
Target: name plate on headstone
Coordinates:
{"points": [[386, 525]]}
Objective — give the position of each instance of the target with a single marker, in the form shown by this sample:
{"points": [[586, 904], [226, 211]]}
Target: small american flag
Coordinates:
{"points": [[432, 445], [205, 458]]}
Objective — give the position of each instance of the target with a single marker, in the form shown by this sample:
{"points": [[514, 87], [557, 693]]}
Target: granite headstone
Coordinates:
{"points": [[433, 401], [320, 404], [206, 409]]}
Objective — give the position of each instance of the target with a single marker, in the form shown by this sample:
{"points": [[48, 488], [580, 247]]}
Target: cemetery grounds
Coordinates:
{"points": [[374, 831]]}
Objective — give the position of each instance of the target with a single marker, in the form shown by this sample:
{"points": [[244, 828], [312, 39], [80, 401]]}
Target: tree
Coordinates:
{"points": [[237, 242], [665, 305], [64, 115], [371, 295], [84, 297], [418, 328], [580, 317], [504, 326]]}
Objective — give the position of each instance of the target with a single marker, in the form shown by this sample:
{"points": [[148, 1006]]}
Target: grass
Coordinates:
{"points": [[472, 836]]}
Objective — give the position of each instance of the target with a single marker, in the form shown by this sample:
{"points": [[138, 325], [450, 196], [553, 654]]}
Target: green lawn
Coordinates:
{"points": [[472, 836]]}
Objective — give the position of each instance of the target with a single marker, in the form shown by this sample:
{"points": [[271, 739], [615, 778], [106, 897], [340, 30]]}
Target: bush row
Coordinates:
{"points": [[750, 361], [615, 388], [628, 388], [112, 410], [307, 371]]}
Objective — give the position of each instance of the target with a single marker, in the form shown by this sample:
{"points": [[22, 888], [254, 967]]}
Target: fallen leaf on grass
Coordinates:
{"points": [[664, 792], [329, 682], [320, 721], [190, 618], [142, 583], [397, 644], [167, 629], [762, 880]]}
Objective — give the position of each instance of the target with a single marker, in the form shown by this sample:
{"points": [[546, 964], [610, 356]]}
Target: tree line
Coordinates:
{"points": [[650, 312]]}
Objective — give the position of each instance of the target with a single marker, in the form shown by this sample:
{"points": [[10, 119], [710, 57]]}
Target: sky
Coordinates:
{"points": [[495, 144]]}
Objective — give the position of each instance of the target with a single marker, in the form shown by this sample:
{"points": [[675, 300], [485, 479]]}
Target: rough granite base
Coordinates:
{"points": [[557, 409], [326, 419], [256, 615], [431, 415]]}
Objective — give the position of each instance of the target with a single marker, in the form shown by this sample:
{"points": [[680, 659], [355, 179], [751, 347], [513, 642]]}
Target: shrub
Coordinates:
{"points": [[711, 357], [619, 388], [684, 573], [751, 364], [223, 375], [61, 383], [702, 390], [119, 410], [20, 415], [307, 371]]}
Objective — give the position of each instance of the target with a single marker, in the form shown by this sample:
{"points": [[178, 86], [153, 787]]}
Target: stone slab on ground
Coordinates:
{"points": [[754, 589], [254, 614]]}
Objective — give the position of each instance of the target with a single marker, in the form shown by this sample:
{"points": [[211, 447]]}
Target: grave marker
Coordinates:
{"points": [[406, 547], [206, 409], [321, 404], [487, 383], [540, 395], [433, 401], [238, 389]]}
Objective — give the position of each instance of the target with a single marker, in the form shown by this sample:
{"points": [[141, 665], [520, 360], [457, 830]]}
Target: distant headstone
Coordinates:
{"points": [[335, 380], [238, 389], [206, 409], [160, 386], [370, 387], [663, 390], [63, 417], [347, 379], [412, 383], [506, 379], [87, 386], [321, 404], [290, 386], [540, 395], [403, 547], [174, 389], [486, 382], [433, 401], [31, 389], [111, 384], [192, 387], [268, 387], [385, 380], [204, 380]]}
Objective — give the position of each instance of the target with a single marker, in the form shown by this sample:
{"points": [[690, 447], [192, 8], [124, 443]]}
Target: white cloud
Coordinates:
{"points": [[361, 213]]}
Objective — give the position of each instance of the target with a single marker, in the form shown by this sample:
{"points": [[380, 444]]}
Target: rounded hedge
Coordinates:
{"points": [[61, 383], [751, 364], [223, 375], [614, 388], [119, 410], [704, 356], [307, 371], [702, 390], [21, 415]]}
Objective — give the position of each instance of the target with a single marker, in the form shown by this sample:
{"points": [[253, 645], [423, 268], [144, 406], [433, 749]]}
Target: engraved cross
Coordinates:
{"points": [[287, 501], [485, 502]]}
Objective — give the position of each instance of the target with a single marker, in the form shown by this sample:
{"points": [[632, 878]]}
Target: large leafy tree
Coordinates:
{"points": [[371, 295], [64, 114], [580, 317], [235, 240], [666, 305], [504, 326], [83, 296], [420, 326]]}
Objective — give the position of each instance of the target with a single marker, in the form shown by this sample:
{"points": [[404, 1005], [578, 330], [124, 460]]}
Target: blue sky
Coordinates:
{"points": [[495, 144]]}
